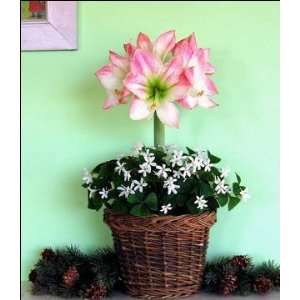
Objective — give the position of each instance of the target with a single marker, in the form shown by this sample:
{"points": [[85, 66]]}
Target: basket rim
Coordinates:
{"points": [[158, 218]]}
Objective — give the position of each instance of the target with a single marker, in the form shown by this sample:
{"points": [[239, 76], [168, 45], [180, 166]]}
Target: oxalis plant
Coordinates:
{"points": [[153, 77]]}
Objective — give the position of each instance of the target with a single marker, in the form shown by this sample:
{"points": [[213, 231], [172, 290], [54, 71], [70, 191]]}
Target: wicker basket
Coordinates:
{"points": [[161, 257]]}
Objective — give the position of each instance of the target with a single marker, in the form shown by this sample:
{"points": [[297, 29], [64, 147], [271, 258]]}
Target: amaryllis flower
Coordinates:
{"points": [[155, 87], [197, 70], [201, 90], [190, 51], [111, 77], [156, 75]]}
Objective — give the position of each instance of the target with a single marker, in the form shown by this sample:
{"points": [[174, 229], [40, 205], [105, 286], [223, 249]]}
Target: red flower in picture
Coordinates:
{"points": [[37, 6]]}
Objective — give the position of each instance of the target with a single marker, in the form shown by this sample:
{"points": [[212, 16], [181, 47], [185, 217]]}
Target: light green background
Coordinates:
{"points": [[64, 128]]}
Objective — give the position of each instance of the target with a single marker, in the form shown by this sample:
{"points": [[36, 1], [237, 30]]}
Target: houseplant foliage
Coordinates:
{"points": [[163, 181]]}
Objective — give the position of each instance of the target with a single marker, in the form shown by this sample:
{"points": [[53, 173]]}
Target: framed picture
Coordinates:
{"points": [[48, 25]]}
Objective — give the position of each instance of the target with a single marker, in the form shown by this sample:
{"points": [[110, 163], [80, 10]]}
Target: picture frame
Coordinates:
{"points": [[57, 32]]}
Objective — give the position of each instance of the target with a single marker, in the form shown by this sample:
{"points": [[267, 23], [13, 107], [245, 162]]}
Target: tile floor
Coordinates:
{"points": [[273, 296]]}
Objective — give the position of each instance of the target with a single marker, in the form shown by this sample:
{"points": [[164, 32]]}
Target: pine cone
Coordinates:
{"points": [[70, 277], [32, 275], [228, 284], [240, 261], [262, 285], [48, 254], [97, 291]]}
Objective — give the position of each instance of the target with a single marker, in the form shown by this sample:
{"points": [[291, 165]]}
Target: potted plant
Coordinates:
{"points": [[161, 201]]}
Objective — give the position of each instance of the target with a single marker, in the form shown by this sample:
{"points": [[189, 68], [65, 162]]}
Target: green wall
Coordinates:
{"points": [[64, 128]]}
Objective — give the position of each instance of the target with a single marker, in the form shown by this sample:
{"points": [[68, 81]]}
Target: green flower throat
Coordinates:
{"points": [[157, 91]]}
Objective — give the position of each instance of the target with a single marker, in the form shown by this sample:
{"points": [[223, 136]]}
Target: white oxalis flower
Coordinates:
{"points": [[221, 187], [196, 163], [166, 208], [200, 202], [139, 185], [120, 167], [207, 165], [150, 160], [186, 170], [125, 190], [104, 193], [127, 175], [177, 158], [87, 177], [177, 174], [147, 154], [171, 186], [245, 194], [162, 171], [91, 192], [145, 168]]}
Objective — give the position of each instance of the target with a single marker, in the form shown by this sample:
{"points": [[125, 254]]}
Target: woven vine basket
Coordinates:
{"points": [[161, 257]]}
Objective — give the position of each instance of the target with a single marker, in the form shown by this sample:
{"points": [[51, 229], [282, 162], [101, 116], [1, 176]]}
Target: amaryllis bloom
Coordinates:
{"points": [[188, 48], [156, 75], [197, 70], [155, 87], [111, 77]]}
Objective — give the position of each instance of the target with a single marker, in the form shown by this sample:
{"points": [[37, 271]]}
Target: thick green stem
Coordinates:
{"points": [[159, 132]]}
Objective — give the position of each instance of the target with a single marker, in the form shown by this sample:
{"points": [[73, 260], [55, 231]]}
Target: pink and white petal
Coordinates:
{"points": [[206, 102], [136, 84], [202, 57], [210, 86], [143, 62], [110, 78], [187, 54], [172, 71], [188, 102], [144, 42], [192, 41], [189, 74], [168, 114], [179, 46], [126, 92], [179, 90], [196, 77], [110, 101], [139, 109], [119, 61], [206, 54], [164, 43], [209, 69], [129, 49]]}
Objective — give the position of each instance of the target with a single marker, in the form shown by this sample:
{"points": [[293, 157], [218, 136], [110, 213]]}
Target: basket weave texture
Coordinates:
{"points": [[161, 257]]}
